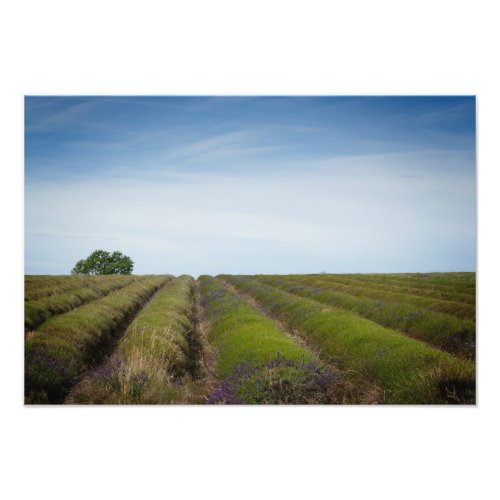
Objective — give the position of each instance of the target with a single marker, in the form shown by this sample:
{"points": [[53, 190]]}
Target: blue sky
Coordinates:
{"points": [[208, 185]]}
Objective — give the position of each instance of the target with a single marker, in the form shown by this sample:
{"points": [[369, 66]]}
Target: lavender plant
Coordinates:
{"points": [[278, 381]]}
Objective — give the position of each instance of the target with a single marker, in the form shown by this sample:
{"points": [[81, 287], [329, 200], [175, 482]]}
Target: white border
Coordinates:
{"points": [[227, 48]]}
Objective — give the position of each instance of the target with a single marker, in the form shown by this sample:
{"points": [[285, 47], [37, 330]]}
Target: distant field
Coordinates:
{"points": [[263, 339]]}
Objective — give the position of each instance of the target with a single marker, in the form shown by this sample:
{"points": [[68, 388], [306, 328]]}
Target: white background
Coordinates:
{"points": [[258, 47]]}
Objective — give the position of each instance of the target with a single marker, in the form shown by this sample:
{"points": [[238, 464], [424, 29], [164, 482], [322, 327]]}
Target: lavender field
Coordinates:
{"points": [[262, 339]]}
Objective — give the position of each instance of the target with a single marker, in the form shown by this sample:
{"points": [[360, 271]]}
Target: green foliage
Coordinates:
{"points": [[153, 352], [446, 286], [249, 358], [240, 333], [257, 363], [407, 370], [38, 286], [102, 262], [65, 346], [280, 381], [367, 290], [441, 330], [66, 298]]}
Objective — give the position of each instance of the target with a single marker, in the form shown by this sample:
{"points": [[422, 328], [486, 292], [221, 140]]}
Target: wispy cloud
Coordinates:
{"points": [[223, 146], [251, 185], [446, 113], [332, 214], [72, 236], [47, 121]]}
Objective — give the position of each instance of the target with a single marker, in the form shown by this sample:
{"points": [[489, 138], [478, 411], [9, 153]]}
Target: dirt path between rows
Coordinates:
{"points": [[206, 353]]}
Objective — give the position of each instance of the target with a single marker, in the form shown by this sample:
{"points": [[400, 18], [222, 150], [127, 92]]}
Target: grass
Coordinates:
{"points": [[256, 361], [444, 331], [67, 345], [408, 371], [153, 355], [40, 310]]}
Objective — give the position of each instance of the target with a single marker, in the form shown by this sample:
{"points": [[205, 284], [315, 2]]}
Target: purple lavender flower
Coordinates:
{"points": [[277, 381]]}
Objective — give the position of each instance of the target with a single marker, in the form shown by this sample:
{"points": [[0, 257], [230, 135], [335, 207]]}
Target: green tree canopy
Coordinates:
{"points": [[102, 262]]}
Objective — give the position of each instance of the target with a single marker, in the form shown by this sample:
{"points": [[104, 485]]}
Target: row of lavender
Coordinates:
{"points": [[81, 357], [257, 362], [406, 371], [155, 361], [415, 316], [43, 301], [64, 347], [115, 350]]}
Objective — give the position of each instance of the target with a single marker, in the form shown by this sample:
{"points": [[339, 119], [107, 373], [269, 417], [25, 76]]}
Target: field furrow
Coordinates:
{"points": [[441, 330], [65, 346], [407, 370], [156, 360]]}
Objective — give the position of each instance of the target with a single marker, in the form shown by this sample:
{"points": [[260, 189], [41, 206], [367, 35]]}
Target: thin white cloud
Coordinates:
{"points": [[70, 114], [446, 113], [220, 146], [390, 209], [75, 236]]}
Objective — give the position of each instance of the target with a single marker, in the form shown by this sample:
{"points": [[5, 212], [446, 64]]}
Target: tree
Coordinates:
{"points": [[102, 262]]}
